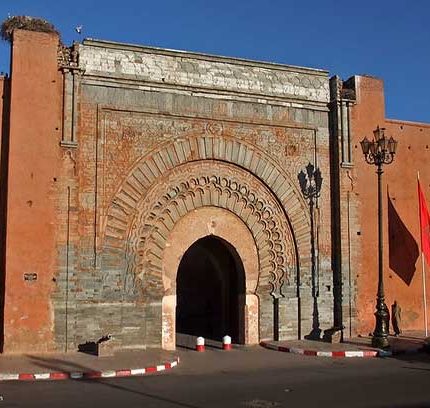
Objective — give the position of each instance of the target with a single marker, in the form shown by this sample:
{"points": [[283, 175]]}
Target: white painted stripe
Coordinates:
{"points": [[108, 373], [6, 377], [76, 375], [174, 364], [138, 371], [354, 354], [324, 354], [296, 350], [42, 376], [161, 367]]}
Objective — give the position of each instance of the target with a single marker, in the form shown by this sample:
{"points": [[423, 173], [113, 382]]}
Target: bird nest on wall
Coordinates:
{"points": [[25, 23]]}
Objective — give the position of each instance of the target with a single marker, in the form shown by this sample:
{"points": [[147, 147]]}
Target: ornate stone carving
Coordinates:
{"points": [[195, 185], [128, 138], [214, 128], [152, 173]]}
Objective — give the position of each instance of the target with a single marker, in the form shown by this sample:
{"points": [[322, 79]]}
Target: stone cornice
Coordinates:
{"points": [[203, 56], [176, 70]]}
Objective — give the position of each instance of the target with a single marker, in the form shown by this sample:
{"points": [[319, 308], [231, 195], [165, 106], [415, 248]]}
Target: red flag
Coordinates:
{"points": [[425, 224]]}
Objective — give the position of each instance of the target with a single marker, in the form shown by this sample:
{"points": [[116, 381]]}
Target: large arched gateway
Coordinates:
{"points": [[202, 198]]}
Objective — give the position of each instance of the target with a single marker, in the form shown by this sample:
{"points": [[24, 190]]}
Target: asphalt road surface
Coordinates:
{"points": [[247, 378]]}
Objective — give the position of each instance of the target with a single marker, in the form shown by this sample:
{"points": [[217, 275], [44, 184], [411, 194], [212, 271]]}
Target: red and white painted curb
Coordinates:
{"points": [[87, 375], [346, 353]]}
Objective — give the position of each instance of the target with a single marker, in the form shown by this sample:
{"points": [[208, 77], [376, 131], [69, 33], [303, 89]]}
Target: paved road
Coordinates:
{"points": [[252, 377]]}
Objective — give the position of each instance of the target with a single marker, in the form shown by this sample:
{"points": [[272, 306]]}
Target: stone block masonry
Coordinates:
{"points": [[207, 73], [157, 126]]}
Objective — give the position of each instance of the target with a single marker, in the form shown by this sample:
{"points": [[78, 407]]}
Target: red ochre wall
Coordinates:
{"points": [[32, 228], [400, 182], [3, 82], [4, 128], [3, 102], [35, 120], [4, 111]]}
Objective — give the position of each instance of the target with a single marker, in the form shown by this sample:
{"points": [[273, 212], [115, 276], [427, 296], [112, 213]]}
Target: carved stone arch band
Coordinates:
{"points": [[209, 184], [151, 170]]}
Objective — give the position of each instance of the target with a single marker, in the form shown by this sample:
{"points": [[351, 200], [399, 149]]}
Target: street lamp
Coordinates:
{"points": [[310, 184], [380, 151]]}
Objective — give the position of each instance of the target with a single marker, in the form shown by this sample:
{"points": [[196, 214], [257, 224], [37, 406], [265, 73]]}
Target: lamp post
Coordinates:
{"points": [[310, 184], [380, 151]]}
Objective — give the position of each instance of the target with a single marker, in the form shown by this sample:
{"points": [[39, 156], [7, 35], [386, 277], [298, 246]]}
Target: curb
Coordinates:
{"points": [[89, 375], [357, 353]]}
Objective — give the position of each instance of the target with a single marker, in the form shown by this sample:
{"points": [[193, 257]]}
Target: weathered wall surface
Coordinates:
{"points": [[4, 148], [31, 229], [4, 123], [205, 72], [402, 261], [403, 236], [163, 132], [3, 99], [118, 151], [343, 207], [114, 146]]}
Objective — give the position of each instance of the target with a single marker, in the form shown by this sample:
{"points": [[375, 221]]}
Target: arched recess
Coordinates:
{"points": [[197, 224], [165, 186], [195, 185]]}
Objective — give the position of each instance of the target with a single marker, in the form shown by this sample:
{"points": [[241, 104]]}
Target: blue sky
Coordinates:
{"points": [[387, 39]]}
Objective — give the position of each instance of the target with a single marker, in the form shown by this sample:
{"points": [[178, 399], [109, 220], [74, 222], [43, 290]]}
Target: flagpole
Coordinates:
{"points": [[422, 263], [424, 290]]}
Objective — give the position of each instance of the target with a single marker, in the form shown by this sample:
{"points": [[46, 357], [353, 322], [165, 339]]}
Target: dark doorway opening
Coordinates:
{"points": [[210, 289]]}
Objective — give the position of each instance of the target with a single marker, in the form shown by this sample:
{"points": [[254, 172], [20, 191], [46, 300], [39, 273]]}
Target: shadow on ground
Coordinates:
{"points": [[59, 365]]}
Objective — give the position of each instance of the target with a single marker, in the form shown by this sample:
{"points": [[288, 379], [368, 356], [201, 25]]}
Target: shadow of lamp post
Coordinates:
{"points": [[310, 185], [378, 152]]}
